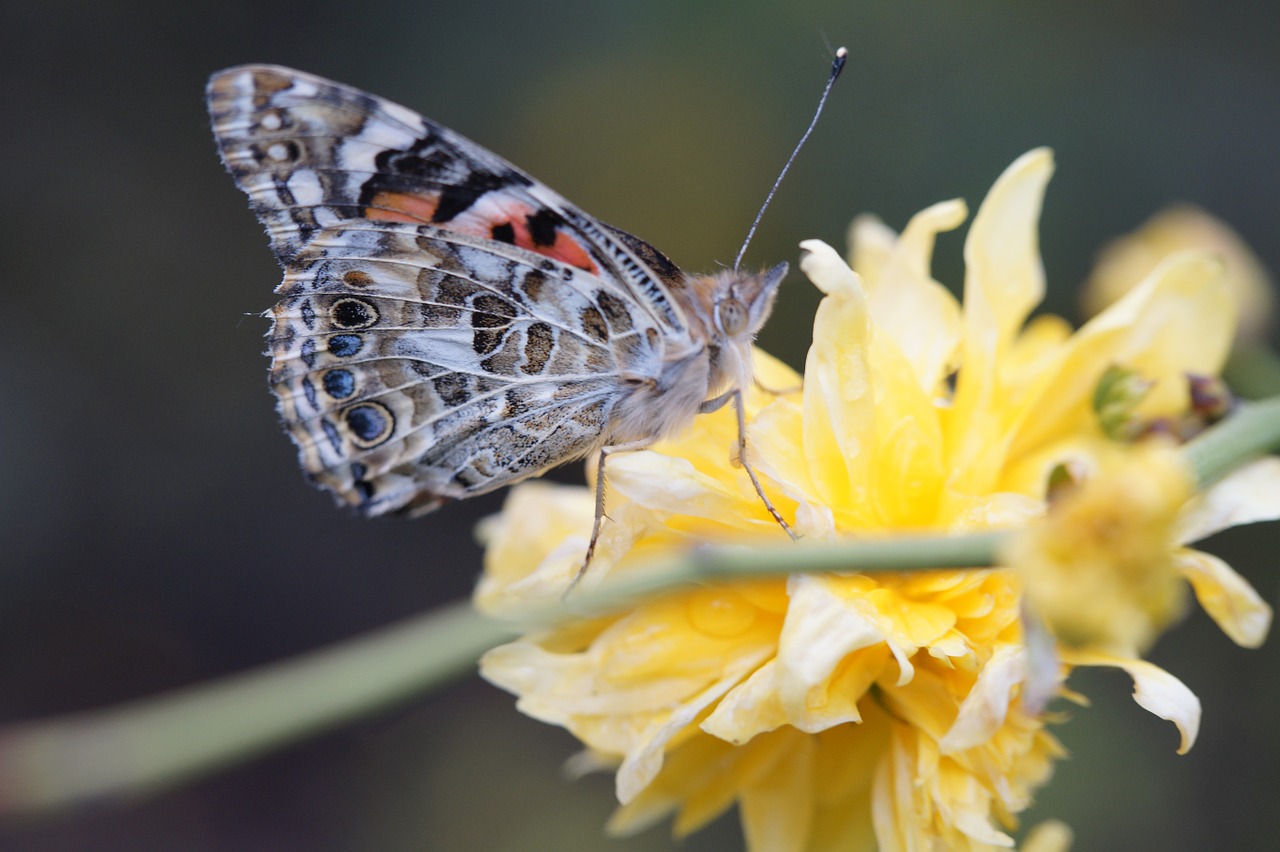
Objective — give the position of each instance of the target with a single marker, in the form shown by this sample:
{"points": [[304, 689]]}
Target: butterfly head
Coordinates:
{"points": [[742, 302], [737, 304]]}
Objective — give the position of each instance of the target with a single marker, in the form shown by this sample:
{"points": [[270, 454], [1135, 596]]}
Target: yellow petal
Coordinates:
{"points": [[535, 546], [1004, 277], [1004, 280], [1154, 689], [1049, 836], [903, 809], [1227, 597], [985, 707], [871, 428], [1044, 666], [838, 403], [870, 243], [845, 764], [777, 810], [641, 813], [1180, 320], [674, 486], [699, 767], [750, 708], [644, 759], [911, 308], [827, 270], [714, 774], [905, 443], [558, 688], [779, 456], [1129, 259], [1245, 496], [822, 629], [1036, 351], [892, 796]]}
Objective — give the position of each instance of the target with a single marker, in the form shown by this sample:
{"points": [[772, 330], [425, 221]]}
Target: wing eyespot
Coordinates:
{"points": [[345, 345], [369, 424], [352, 313], [339, 383]]}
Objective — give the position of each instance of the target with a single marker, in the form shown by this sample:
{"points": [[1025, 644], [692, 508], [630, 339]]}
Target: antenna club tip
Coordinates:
{"points": [[837, 64]]}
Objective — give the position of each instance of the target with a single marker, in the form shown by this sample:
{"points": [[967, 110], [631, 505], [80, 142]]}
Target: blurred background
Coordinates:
{"points": [[157, 532]]}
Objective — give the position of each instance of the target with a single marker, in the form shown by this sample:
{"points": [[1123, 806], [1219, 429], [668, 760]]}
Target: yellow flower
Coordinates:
{"points": [[1105, 569], [1050, 836], [1131, 258], [854, 711], [1101, 569]]}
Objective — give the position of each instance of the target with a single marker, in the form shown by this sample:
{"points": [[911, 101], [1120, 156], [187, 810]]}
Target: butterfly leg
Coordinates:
{"points": [[596, 526], [740, 410], [777, 391]]}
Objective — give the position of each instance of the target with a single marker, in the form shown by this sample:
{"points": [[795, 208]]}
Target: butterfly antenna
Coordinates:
{"points": [[837, 65]]}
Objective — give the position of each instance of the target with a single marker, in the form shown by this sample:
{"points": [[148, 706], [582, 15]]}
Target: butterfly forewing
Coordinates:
{"points": [[312, 153], [447, 325]]}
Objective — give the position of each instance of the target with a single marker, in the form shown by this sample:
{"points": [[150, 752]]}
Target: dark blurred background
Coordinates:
{"points": [[156, 531]]}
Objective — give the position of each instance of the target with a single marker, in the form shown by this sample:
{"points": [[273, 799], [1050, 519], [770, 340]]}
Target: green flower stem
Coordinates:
{"points": [[716, 564], [147, 745], [1248, 433]]}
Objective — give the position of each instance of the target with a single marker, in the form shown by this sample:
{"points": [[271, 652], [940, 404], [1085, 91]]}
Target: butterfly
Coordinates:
{"points": [[448, 325]]}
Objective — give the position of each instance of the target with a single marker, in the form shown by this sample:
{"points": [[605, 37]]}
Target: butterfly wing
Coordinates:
{"points": [[447, 325]]}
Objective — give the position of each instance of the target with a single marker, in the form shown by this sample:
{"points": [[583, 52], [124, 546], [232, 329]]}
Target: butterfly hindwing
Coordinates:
{"points": [[414, 364]]}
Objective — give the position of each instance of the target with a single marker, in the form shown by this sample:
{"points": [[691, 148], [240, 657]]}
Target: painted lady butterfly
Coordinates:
{"points": [[448, 325]]}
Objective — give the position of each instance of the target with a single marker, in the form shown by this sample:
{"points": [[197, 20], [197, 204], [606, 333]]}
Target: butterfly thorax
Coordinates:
{"points": [[723, 313]]}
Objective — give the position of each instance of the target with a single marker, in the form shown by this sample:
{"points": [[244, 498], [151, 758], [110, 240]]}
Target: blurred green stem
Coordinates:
{"points": [[1249, 432], [149, 744], [145, 745]]}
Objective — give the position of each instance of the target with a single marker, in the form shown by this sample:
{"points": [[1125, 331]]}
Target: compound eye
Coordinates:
{"points": [[732, 317]]}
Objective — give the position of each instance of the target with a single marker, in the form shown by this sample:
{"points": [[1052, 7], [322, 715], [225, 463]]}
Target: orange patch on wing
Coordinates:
{"points": [[402, 207], [420, 208], [570, 251], [564, 248]]}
